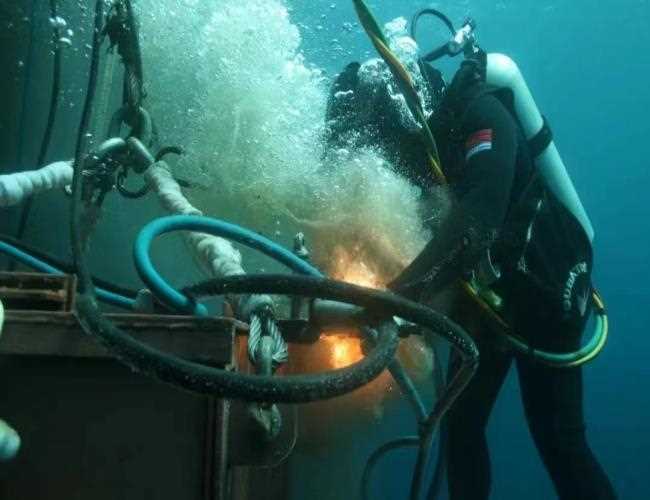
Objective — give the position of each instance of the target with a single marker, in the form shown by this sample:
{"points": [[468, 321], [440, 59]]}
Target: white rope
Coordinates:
{"points": [[216, 255], [14, 188]]}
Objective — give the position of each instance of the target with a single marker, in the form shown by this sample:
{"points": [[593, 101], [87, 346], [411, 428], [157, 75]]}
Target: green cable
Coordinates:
{"points": [[558, 360], [404, 81], [570, 359]]}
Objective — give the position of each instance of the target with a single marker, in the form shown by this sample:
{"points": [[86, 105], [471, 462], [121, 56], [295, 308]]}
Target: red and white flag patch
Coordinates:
{"points": [[477, 142]]}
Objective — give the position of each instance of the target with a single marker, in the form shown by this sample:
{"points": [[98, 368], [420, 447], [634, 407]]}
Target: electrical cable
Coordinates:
{"points": [[394, 444], [47, 136]]}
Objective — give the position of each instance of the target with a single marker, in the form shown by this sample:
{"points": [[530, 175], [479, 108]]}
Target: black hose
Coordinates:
{"points": [[170, 369], [47, 136], [439, 469], [377, 302], [225, 384], [80, 145], [220, 383], [433, 12], [28, 72], [402, 442], [408, 388], [133, 75]]}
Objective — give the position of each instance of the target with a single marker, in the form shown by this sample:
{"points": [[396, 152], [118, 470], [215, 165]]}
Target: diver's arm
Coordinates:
{"points": [[480, 203]]}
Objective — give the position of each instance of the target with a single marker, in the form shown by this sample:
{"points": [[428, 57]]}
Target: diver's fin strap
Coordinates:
{"points": [[541, 140]]}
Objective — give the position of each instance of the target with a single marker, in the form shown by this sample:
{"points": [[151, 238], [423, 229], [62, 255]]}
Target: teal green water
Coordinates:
{"points": [[588, 67]]}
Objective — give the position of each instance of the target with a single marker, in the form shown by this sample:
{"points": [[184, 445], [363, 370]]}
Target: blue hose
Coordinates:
{"points": [[168, 294], [38, 265]]}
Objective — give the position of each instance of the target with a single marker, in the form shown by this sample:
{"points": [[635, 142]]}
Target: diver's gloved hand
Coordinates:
{"points": [[433, 269], [444, 260], [9, 442]]}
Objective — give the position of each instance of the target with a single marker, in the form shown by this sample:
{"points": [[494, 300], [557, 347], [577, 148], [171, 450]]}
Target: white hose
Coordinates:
{"points": [[14, 188], [216, 255]]}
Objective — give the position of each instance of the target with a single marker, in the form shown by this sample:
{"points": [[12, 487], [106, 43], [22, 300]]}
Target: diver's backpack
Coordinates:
{"points": [[543, 244]]}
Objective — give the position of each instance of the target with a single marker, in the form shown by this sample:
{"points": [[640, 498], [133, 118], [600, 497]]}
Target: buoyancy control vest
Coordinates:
{"points": [[546, 238]]}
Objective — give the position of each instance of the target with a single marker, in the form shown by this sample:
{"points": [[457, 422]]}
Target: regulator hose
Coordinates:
{"points": [[431, 12]]}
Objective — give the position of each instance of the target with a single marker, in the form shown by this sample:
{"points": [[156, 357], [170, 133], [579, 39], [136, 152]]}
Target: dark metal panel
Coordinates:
{"points": [[93, 429], [59, 334]]}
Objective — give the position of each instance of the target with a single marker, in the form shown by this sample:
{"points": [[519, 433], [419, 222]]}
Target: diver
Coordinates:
{"points": [[516, 234]]}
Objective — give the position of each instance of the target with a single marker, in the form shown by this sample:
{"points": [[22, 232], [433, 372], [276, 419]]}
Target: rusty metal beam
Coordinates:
{"points": [[58, 334]]}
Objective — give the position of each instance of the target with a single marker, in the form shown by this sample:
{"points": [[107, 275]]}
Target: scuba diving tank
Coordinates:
{"points": [[502, 72]]}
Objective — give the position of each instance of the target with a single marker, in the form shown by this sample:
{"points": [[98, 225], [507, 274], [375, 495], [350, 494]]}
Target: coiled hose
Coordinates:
{"points": [[176, 371], [220, 383]]}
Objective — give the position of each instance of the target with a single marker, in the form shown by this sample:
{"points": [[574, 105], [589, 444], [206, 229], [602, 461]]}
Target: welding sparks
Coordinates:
{"points": [[345, 349], [351, 270]]}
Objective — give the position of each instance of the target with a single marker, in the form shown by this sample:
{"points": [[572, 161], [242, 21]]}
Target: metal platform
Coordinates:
{"points": [[92, 428]]}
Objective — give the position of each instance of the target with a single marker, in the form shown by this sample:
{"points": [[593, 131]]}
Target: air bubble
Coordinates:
{"points": [[58, 22]]}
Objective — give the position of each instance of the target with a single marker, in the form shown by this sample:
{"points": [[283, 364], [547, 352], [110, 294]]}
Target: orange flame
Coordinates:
{"points": [[346, 350]]}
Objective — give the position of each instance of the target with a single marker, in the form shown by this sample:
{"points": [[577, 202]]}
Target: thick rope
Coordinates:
{"points": [[266, 324], [217, 256], [15, 188]]}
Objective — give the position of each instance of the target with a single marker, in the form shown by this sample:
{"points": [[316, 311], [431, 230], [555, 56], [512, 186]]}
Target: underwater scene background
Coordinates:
{"points": [[242, 85]]}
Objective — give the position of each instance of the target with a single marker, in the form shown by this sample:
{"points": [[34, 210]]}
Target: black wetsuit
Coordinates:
{"points": [[536, 243], [552, 397]]}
